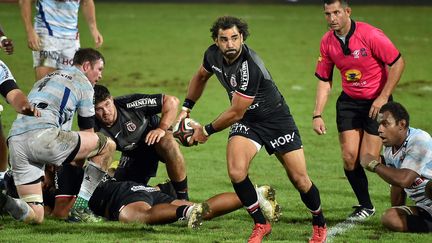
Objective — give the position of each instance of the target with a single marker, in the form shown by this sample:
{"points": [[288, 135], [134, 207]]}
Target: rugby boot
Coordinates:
{"points": [[268, 204], [83, 215], [319, 234], [259, 231], [195, 216], [361, 213]]}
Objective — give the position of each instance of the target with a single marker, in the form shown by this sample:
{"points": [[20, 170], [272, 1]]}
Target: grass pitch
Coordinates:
{"points": [[153, 48]]}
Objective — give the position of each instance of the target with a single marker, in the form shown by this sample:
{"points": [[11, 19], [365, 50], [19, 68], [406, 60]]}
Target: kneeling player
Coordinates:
{"points": [[407, 167], [142, 136]]}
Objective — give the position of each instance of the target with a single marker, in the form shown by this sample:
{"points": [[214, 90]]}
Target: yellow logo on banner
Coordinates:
{"points": [[353, 75]]}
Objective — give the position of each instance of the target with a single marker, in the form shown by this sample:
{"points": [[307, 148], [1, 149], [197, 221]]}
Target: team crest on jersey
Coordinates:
{"points": [[130, 126], [353, 75], [244, 72], [357, 53], [233, 80]]}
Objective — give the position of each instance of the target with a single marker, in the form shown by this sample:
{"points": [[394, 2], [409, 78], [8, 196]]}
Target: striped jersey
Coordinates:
{"points": [[58, 18], [58, 96], [5, 73], [415, 154]]}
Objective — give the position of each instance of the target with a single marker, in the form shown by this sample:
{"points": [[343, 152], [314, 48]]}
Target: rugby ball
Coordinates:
{"points": [[183, 131]]}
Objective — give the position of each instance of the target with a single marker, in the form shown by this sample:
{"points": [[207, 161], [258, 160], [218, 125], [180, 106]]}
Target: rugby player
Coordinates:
{"points": [[258, 116], [54, 38], [407, 167], [142, 136], [36, 141]]}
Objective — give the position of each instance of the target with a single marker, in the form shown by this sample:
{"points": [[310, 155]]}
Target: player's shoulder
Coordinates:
{"points": [[419, 136]]}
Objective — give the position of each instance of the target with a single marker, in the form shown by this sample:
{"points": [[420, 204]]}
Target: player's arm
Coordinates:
{"points": [[239, 106], [20, 103], [322, 93], [195, 89], [403, 177], [394, 74], [89, 12], [397, 196], [33, 40], [168, 116], [5, 43]]}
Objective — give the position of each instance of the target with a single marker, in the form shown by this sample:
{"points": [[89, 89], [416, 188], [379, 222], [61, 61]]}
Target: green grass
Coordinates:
{"points": [[153, 48]]}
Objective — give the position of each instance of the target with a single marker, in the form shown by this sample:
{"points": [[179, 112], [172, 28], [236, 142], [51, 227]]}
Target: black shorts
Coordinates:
{"points": [[110, 197], [354, 114], [140, 164], [278, 133]]}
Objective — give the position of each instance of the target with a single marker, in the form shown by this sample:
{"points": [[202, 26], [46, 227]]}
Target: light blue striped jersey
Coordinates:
{"points": [[58, 96], [416, 155], [5, 73], [58, 18]]}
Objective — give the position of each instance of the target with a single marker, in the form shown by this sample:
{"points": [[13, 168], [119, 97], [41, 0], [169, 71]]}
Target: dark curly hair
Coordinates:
{"points": [[101, 93], [397, 110], [227, 22]]}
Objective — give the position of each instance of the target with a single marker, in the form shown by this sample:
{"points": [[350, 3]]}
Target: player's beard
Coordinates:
{"points": [[231, 54]]}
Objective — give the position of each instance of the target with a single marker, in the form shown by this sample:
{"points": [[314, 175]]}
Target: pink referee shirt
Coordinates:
{"points": [[363, 71]]}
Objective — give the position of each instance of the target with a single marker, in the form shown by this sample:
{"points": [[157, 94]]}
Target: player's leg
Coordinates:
{"points": [[142, 212], [32, 195], [222, 203], [169, 150], [407, 219], [240, 152], [99, 149], [351, 142], [295, 166]]}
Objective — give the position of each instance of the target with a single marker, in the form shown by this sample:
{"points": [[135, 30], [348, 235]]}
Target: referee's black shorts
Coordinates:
{"points": [[354, 114]]}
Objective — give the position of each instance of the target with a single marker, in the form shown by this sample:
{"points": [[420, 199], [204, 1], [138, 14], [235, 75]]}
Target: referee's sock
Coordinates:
{"points": [[359, 183]]}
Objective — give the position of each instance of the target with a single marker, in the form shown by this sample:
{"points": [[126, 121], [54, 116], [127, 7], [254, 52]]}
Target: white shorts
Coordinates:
{"points": [[55, 52], [30, 151]]}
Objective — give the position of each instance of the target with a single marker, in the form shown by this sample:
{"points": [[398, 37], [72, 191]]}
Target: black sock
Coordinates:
{"points": [[247, 195], [313, 202], [181, 212], [181, 189], [359, 183]]}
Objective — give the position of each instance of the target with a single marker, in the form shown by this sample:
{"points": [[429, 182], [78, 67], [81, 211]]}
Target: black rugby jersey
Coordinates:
{"points": [[248, 77], [133, 116]]}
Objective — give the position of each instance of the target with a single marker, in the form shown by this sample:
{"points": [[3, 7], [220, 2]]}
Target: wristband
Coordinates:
{"points": [[188, 103], [209, 129], [315, 117], [372, 165]]}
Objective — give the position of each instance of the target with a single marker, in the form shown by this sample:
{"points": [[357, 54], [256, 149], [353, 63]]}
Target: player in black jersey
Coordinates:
{"points": [[258, 116], [142, 137]]}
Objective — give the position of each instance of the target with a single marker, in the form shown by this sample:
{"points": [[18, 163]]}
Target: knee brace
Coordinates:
{"points": [[33, 198]]}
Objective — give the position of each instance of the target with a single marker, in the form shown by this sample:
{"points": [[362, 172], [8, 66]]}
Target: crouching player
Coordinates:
{"points": [[407, 166], [128, 201], [36, 141]]}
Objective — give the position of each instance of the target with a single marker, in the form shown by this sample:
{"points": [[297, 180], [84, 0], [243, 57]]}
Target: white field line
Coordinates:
{"points": [[339, 229]]}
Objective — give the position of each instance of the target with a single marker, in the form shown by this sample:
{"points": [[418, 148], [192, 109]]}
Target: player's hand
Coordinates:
{"points": [[7, 46], [182, 115], [97, 37], [376, 106], [319, 126], [33, 41], [198, 135], [154, 136], [30, 110]]}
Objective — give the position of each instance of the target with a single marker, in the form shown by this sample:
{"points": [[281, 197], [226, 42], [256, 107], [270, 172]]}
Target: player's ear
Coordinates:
{"points": [[86, 66], [348, 11], [402, 124]]}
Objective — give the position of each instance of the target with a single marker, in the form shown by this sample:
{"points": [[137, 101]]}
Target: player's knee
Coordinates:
{"points": [[237, 174], [301, 183], [36, 212], [105, 145], [391, 220]]}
